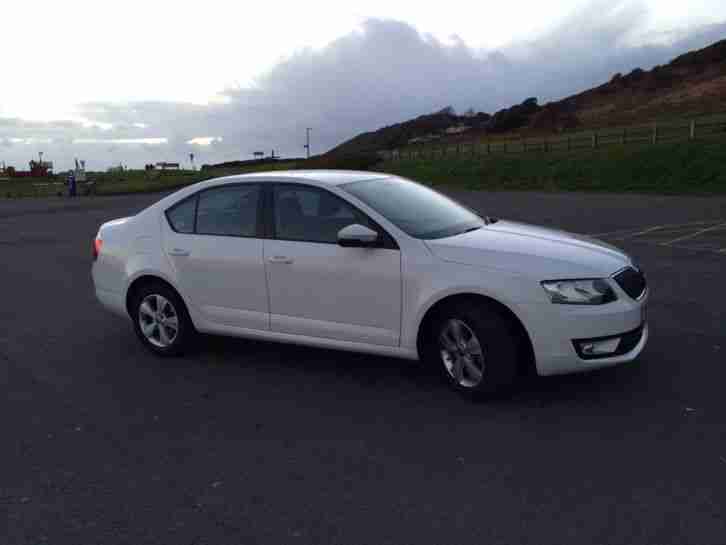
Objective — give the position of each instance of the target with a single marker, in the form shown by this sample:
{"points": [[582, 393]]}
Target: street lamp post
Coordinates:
{"points": [[307, 140]]}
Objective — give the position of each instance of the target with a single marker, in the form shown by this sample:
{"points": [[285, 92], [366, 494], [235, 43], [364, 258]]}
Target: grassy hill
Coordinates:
{"points": [[669, 168], [692, 84]]}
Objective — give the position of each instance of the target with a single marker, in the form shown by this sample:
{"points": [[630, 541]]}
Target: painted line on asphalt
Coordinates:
{"points": [[641, 229], [693, 235], [716, 251], [643, 232]]}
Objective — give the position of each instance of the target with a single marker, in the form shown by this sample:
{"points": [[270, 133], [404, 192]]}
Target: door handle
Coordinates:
{"points": [[281, 259], [179, 252]]}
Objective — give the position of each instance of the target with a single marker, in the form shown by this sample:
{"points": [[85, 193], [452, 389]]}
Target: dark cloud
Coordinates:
{"points": [[380, 74]]}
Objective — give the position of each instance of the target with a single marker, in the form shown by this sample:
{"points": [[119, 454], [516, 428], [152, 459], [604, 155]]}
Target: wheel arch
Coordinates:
{"points": [[527, 363], [143, 279]]}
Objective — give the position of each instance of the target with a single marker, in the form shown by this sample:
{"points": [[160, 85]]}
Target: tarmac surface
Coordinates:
{"points": [[249, 442]]}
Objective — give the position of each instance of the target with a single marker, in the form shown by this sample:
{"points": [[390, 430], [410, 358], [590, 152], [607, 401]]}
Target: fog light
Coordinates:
{"points": [[610, 346], [593, 349]]}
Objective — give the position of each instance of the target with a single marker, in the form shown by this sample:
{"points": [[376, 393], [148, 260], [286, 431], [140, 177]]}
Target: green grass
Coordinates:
{"points": [[697, 167], [669, 128], [675, 168], [130, 181]]}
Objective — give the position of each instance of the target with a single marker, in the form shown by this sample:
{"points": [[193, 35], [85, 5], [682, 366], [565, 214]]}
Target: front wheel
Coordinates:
{"points": [[161, 320], [476, 347]]}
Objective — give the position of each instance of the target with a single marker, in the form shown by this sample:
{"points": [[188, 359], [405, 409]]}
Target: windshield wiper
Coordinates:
{"points": [[470, 229]]}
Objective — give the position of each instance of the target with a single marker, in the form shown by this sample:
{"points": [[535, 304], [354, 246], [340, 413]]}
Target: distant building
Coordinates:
{"points": [[425, 138], [457, 129], [167, 166], [38, 169]]}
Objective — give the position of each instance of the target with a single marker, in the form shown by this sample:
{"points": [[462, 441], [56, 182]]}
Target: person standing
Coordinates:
{"points": [[71, 184]]}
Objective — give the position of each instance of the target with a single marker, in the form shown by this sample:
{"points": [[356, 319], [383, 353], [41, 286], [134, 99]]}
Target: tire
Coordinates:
{"points": [[161, 320], [486, 362]]}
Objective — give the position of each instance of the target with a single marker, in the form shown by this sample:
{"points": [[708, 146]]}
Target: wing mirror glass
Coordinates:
{"points": [[358, 236]]}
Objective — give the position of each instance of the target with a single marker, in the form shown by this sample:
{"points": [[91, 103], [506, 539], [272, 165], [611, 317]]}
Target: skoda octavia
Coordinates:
{"points": [[374, 263]]}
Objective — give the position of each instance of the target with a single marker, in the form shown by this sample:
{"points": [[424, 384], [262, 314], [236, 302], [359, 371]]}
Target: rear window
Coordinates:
{"points": [[181, 217], [228, 211], [225, 210]]}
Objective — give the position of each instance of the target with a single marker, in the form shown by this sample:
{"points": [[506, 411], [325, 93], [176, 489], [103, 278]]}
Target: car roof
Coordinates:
{"points": [[320, 177], [327, 177]]}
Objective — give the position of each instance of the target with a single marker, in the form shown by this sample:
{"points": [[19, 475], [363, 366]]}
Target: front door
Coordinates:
{"points": [[320, 289]]}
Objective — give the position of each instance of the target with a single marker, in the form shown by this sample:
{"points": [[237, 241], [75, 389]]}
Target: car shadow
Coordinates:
{"points": [[349, 370]]}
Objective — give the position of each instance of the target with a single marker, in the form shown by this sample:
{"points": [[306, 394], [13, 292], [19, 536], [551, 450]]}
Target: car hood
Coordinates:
{"points": [[531, 250]]}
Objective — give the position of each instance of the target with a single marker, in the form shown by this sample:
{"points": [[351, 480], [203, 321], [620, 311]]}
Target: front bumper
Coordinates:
{"points": [[556, 330], [559, 365]]}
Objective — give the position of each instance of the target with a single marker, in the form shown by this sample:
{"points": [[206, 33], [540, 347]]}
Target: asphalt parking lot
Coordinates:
{"points": [[249, 442]]}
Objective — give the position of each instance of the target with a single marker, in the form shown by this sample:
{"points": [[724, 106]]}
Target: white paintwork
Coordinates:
{"points": [[222, 277], [326, 290], [366, 299]]}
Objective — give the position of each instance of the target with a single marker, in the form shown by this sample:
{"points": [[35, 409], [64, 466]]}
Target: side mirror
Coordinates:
{"points": [[358, 236]]}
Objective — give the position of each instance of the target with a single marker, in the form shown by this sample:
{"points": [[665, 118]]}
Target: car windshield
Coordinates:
{"points": [[415, 209]]}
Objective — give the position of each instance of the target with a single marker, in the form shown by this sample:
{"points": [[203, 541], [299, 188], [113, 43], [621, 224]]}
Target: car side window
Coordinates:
{"points": [[181, 216], [311, 214], [228, 210]]}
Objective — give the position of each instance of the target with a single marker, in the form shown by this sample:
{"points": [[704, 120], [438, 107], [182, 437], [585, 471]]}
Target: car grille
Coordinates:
{"points": [[632, 282]]}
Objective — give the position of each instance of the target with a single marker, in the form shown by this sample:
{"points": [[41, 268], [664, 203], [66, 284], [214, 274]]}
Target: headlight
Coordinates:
{"points": [[579, 292]]}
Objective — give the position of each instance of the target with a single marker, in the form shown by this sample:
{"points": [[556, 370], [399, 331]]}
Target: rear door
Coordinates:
{"points": [[214, 243], [320, 289]]}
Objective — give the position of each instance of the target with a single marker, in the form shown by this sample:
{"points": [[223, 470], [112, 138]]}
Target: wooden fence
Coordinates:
{"points": [[650, 134]]}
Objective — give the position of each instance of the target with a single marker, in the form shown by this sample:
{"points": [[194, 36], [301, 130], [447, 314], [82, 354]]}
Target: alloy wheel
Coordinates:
{"points": [[461, 353], [158, 320]]}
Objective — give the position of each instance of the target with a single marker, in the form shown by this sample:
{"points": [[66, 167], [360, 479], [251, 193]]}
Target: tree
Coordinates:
{"points": [[449, 110]]}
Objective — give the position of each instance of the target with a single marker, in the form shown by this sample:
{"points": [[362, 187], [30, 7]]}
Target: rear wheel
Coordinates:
{"points": [[161, 320], [476, 347]]}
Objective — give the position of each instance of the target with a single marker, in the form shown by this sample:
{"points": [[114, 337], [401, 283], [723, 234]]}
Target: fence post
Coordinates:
{"points": [[655, 133], [594, 140], [505, 146], [546, 145], [569, 143], [693, 129], [489, 147], [624, 137]]}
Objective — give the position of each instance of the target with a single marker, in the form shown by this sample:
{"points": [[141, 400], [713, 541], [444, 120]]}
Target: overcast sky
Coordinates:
{"points": [[146, 81]]}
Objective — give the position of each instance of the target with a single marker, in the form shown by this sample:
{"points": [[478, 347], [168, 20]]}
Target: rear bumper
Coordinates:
{"points": [[112, 301]]}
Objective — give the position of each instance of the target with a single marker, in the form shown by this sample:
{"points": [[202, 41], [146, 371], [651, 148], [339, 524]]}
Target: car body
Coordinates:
{"points": [[262, 264]]}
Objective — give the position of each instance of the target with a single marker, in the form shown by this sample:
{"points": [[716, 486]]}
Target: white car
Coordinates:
{"points": [[373, 263]]}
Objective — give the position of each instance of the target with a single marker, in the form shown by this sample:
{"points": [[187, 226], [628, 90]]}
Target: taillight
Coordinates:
{"points": [[97, 243]]}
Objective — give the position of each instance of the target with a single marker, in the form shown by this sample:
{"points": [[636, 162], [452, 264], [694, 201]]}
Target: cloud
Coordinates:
{"points": [[381, 73]]}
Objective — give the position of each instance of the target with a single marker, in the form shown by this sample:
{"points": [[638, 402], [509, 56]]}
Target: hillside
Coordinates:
{"points": [[399, 134], [693, 83]]}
